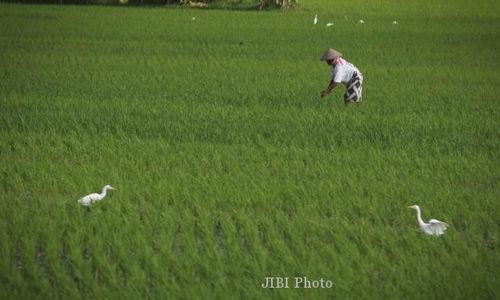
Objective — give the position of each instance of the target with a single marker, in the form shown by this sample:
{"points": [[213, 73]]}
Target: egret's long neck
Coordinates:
{"points": [[419, 216], [103, 193]]}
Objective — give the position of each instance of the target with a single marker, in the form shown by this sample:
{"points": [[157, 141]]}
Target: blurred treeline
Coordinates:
{"points": [[231, 4]]}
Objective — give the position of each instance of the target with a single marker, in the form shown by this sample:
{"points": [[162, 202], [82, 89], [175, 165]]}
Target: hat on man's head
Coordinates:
{"points": [[330, 54]]}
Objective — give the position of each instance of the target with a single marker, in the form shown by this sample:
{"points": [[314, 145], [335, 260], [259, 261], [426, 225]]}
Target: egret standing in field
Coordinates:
{"points": [[315, 21], [89, 199], [434, 227]]}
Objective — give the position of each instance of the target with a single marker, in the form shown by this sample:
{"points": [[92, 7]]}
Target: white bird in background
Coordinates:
{"points": [[315, 21], [434, 227], [89, 199], [361, 21], [329, 24], [395, 22]]}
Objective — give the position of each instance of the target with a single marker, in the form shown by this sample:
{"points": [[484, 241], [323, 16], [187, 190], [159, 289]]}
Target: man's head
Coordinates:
{"points": [[330, 56]]}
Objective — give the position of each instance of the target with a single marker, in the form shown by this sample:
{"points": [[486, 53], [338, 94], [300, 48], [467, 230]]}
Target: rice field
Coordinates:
{"points": [[228, 166]]}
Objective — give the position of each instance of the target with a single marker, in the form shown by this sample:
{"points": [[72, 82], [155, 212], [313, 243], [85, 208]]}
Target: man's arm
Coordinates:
{"points": [[329, 89]]}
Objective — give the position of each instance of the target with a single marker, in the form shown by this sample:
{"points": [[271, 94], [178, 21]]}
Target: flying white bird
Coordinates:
{"points": [[89, 199], [362, 21], [315, 21], [434, 227], [329, 24]]}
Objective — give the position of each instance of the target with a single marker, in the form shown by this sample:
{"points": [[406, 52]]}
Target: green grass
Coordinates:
{"points": [[229, 169]]}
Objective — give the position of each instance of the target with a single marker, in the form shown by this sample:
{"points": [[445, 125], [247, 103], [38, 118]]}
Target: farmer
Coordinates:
{"points": [[346, 73]]}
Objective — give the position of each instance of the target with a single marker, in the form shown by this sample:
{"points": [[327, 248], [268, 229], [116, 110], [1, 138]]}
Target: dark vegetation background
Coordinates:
{"points": [[230, 4]]}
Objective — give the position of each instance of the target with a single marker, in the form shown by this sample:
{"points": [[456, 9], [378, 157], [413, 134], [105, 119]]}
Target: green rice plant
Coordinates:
{"points": [[228, 166]]}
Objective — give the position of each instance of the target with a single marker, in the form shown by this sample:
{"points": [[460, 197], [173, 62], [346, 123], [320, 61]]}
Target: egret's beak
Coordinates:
{"points": [[112, 188], [410, 206]]}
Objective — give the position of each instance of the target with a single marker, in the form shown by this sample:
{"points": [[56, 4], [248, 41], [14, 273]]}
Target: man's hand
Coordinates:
{"points": [[329, 89]]}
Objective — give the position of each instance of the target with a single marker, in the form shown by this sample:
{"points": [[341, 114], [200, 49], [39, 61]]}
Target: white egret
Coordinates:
{"points": [[395, 22], [362, 21], [329, 24], [434, 227], [89, 199], [315, 21]]}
